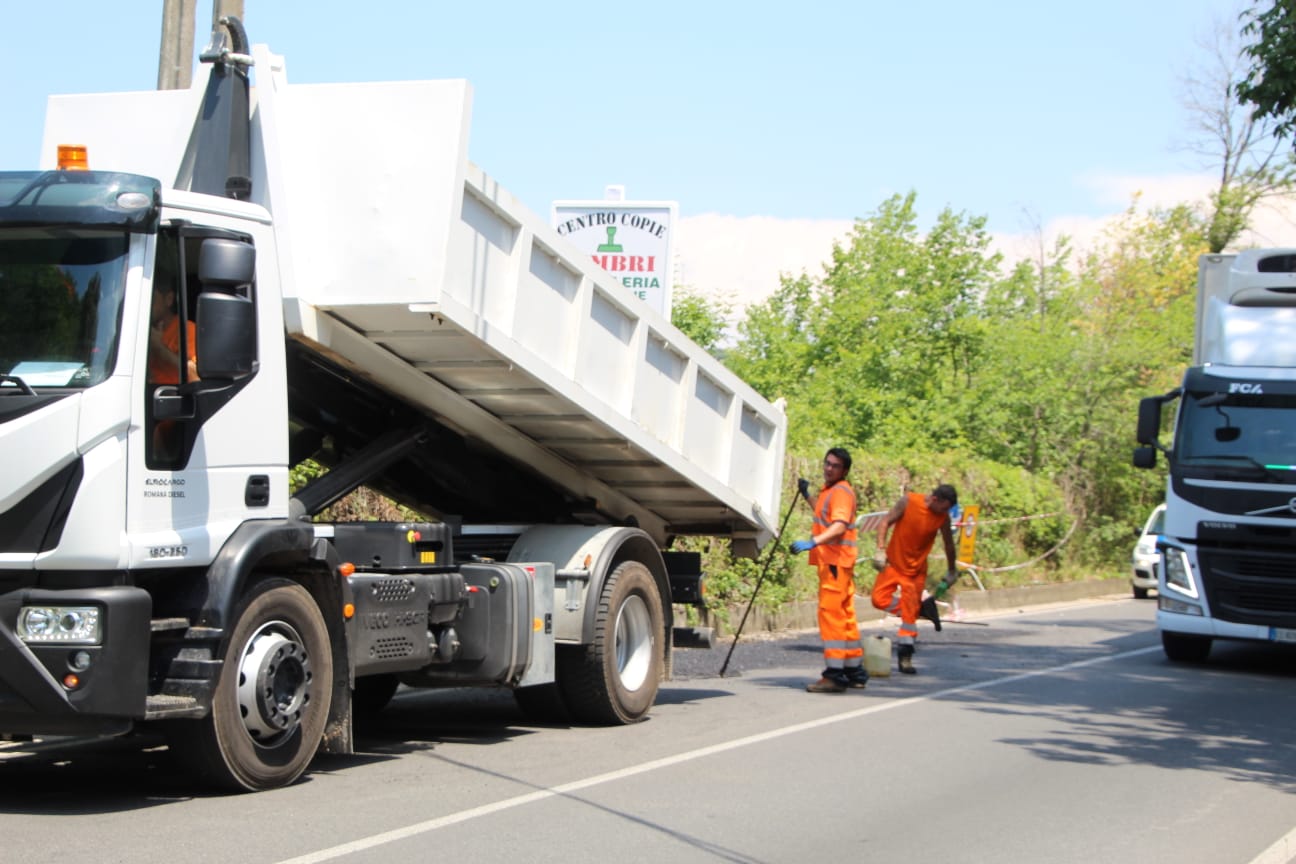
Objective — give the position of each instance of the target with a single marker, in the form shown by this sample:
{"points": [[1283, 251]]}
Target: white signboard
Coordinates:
{"points": [[629, 239]]}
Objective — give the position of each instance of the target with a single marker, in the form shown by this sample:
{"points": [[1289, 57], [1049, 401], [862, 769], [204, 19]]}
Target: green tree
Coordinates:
{"points": [[1270, 85], [774, 355], [898, 325], [871, 353], [700, 318], [1030, 320], [1132, 334], [1252, 163]]}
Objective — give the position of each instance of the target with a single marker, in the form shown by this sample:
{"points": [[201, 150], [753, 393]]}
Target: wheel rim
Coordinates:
{"points": [[634, 642], [274, 684]]}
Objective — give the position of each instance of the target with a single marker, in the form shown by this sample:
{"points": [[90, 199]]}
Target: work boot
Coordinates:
{"points": [[857, 680], [904, 659], [826, 685], [927, 609]]}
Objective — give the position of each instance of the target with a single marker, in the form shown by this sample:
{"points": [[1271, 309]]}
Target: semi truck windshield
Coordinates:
{"points": [[60, 306], [1238, 432]]}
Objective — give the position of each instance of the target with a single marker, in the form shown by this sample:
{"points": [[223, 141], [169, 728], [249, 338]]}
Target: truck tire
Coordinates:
{"points": [[614, 680], [272, 699], [1185, 647]]}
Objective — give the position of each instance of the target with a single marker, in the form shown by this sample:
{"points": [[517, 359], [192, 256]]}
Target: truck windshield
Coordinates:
{"points": [[1238, 434], [60, 306]]}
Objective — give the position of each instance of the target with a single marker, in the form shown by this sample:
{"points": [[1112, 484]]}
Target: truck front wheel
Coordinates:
{"points": [[272, 700], [615, 679]]}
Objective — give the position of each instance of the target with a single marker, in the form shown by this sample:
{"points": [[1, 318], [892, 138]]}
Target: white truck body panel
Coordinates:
{"points": [[441, 288], [1245, 317]]}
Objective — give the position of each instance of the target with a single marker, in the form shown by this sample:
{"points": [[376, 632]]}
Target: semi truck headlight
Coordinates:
{"points": [[1170, 604], [66, 625], [1178, 571]]}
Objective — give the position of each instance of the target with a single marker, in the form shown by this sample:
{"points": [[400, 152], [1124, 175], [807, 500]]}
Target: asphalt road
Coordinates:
{"points": [[1050, 735]]}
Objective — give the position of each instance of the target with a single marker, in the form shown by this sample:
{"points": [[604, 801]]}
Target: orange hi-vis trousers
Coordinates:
{"points": [[896, 594], [838, 626]]}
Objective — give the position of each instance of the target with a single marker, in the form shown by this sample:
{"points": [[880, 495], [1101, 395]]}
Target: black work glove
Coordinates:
{"points": [[803, 486]]}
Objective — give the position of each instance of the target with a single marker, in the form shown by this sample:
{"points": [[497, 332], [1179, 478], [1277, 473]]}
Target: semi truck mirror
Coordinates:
{"points": [[226, 263], [1144, 457], [1227, 432], [1149, 420], [226, 336]]}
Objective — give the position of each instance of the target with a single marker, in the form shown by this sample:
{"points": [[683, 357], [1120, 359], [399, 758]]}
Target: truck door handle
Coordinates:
{"points": [[257, 491]]}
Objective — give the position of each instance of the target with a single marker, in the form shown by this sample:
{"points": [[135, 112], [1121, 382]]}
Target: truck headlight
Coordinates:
{"points": [[66, 625], [1178, 571], [1170, 604]]}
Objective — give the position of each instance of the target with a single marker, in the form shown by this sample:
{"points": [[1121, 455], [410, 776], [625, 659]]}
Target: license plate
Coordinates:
{"points": [[1281, 634]]}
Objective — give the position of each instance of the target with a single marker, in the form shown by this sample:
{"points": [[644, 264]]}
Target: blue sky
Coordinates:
{"points": [[795, 111]]}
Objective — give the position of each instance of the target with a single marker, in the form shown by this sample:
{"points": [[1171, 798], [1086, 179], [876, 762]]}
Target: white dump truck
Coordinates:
{"points": [[249, 277], [1228, 544]]}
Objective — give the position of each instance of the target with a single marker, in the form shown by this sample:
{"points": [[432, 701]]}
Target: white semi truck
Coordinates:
{"points": [[1228, 548], [365, 297]]}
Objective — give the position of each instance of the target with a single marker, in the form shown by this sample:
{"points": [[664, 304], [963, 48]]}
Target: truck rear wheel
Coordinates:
{"points": [[615, 679], [1185, 647], [272, 700]]}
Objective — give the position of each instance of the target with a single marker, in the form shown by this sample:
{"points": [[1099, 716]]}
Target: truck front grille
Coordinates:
{"points": [[1250, 586]]}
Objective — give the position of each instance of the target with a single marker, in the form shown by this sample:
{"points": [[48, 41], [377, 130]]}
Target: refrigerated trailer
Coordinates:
{"points": [[356, 295]]}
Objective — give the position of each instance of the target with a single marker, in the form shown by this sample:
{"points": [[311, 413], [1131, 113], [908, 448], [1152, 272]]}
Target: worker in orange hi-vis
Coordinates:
{"points": [[902, 563], [833, 551], [164, 341]]}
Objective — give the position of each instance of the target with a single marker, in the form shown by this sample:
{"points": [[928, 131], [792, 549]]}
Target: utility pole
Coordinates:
{"points": [[221, 8], [175, 60]]}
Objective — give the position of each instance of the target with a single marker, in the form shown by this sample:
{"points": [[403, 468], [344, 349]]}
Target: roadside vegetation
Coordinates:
{"points": [[927, 358], [932, 359]]}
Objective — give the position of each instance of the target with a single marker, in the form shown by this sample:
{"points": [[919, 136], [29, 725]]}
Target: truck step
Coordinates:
{"points": [[161, 707]]}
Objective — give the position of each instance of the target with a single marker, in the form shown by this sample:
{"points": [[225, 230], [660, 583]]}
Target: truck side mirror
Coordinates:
{"points": [[226, 263], [226, 330], [1144, 457], [226, 336], [1149, 420]]}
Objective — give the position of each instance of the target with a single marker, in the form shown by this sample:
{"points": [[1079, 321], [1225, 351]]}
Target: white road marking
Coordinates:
{"points": [[702, 752], [1281, 852]]}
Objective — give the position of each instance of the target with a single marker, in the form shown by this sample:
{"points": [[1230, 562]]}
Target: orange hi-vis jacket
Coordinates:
{"points": [[161, 371], [913, 536], [835, 503]]}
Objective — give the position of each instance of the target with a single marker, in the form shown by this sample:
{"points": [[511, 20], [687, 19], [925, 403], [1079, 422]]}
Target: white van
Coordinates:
{"points": [[1146, 556]]}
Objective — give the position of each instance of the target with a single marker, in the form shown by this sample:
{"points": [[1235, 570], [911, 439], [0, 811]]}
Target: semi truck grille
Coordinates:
{"points": [[1249, 586]]}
